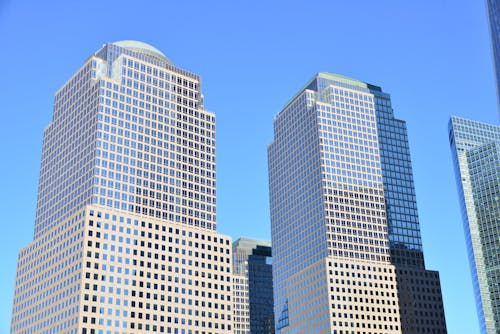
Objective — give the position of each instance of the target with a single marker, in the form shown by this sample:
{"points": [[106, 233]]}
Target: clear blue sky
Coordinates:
{"points": [[432, 56]]}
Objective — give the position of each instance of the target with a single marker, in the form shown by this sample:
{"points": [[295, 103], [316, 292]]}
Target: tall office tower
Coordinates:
{"points": [[253, 287], [475, 148], [494, 20], [125, 235], [346, 241]]}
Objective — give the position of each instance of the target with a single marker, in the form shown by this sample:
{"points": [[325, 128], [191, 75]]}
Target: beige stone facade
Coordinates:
{"points": [[110, 271]]}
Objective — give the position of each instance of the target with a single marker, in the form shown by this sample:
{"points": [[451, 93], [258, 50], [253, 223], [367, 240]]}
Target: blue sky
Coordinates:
{"points": [[433, 57]]}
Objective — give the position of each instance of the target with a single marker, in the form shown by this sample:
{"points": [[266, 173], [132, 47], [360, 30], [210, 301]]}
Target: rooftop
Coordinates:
{"points": [[143, 48]]}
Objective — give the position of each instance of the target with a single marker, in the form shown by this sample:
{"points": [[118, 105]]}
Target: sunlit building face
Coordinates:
{"points": [[125, 234]]}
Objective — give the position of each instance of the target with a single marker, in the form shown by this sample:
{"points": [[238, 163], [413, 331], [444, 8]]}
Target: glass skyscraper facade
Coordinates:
{"points": [[141, 127], [253, 287], [125, 235], [475, 149], [494, 20], [345, 231]]}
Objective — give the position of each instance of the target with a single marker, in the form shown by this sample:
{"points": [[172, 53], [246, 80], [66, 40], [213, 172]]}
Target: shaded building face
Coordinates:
{"points": [[253, 286], [260, 288]]}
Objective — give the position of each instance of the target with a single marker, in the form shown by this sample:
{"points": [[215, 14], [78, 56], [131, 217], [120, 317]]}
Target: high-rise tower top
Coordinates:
{"points": [[143, 48]]}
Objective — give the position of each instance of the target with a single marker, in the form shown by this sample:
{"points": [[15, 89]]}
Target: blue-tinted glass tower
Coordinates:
{"points": [[475, 149], [494, 20]]}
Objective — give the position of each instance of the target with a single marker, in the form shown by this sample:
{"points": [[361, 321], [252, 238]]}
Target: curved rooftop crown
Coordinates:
{"points": [[143, 48]]}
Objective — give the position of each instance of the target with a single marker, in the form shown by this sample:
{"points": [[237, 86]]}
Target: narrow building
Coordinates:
{"points": [[252, 287]]}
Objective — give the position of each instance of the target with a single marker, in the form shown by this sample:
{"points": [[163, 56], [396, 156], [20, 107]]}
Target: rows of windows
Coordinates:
{"points": [[150, 124], [420, 301], [469, 141], [150, 275], [145, 144], [402, 216], [363, 298], [67, 156], [48, 280]]}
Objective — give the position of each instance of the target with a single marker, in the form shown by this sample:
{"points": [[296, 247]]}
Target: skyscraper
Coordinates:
{"points": [[253, 287], [345, 231], [125, 234], [494, 20], [475, 149]]}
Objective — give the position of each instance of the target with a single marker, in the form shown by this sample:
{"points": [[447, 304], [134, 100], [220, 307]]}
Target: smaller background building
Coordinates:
{"points": [[253, 286]]}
